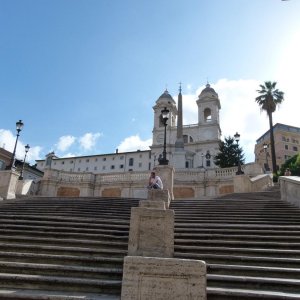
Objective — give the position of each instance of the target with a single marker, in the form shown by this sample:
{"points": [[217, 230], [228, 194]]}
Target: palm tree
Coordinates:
{"points": [[269, 98]]}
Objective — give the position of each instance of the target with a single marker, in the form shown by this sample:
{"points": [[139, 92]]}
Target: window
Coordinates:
{"points": [[141, 155], [87, 160], [112, 167], [103, 168], [295, 148], [283, 138], [207, 114], [96, 159], [140, 165], [122, 157], [208, 162], [191, 140], [87, 168], [104, 158], [286, 147], [78, 169], [62, 162], [95, 168], [71, 161], [2, 165], [121, 166], [185, 138], [131, 161]]}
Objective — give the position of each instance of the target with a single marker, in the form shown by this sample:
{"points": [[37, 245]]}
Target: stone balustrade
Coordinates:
{"points": [[290, 189]]}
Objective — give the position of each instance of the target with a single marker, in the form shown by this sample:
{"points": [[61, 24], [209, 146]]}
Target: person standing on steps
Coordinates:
{"points": [[155, 182]]}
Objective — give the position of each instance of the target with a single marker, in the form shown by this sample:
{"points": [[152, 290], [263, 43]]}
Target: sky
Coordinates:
{"points": [[83, 75]]}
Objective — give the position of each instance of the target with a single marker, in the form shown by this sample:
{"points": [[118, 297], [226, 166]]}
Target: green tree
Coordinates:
{"points": [[230, 153], [268, 100], [293, 164]]}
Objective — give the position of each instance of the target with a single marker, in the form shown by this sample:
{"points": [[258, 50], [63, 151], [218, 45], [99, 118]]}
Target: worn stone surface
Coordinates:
{"points": [[151, 232], [149, 278], [159, 204], [65, 191], [184, 192], [163, 195]]}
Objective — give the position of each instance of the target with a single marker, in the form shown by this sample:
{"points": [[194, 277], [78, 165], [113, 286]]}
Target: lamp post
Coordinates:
{"points": [[19, 126], [165, 117], [237, 139], [27, 147], [266, 153], [202, 156]]}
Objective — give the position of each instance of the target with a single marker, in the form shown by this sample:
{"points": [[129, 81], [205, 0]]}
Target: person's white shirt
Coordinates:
{"points": [[159, 182]]}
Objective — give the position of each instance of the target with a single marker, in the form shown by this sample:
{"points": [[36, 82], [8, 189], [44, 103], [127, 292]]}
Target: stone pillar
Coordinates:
{"points": [[166, 173], [179, 159], [151, 231], [159, 195], [163, 279], [8, 184]]}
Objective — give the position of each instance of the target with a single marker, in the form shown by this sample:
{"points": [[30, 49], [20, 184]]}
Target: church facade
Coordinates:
{"points": [[187, 146]]}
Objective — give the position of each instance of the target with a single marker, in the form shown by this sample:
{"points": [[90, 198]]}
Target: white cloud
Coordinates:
{"points": [[88, 140], [7, 141], [134, 143], [65, 142]]}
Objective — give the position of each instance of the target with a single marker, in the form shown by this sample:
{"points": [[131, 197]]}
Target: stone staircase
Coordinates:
{"points": [[63, 248], [250, 242], [73, 248]]}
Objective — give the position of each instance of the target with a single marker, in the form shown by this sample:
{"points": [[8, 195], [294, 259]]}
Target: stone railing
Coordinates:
{"points": [[245, 184], [63, 176], [290, 189], [123, 177]]}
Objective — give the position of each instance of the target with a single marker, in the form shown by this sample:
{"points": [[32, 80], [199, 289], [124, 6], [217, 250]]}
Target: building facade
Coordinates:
{"points": [[287, 144], [200, 142]]}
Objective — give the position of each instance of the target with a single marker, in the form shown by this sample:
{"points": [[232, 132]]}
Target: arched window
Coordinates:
{"points": [[207, 115]]}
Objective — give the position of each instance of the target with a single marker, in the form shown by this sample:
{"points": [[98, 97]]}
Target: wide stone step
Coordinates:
{"points": [[90, 221], [238, 237], [88, 261], [28, 294], [65, 235], [239, 251], [61, 270], [257, 271], [234, 231], [59, 250], [71, 223], [254, 283], [60, 283], [241, 259], [65, 241], [215, 293], [121, 231], [233, 243]]}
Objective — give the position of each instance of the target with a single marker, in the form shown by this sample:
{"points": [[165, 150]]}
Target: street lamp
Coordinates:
{"points": [[27, 147], [19, 126], [237, 139], [165, 117], [265, 149], [202, 156]]}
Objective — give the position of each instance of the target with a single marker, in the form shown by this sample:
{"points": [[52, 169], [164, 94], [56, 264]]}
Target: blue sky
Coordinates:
{"points": [[83, 75]]}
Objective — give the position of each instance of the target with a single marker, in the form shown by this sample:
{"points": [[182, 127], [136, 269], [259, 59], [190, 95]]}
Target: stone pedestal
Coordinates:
{"points": [[148, 278], [151, 232], [179, 159], [8, 184], [162, 195], [166, 173]]}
